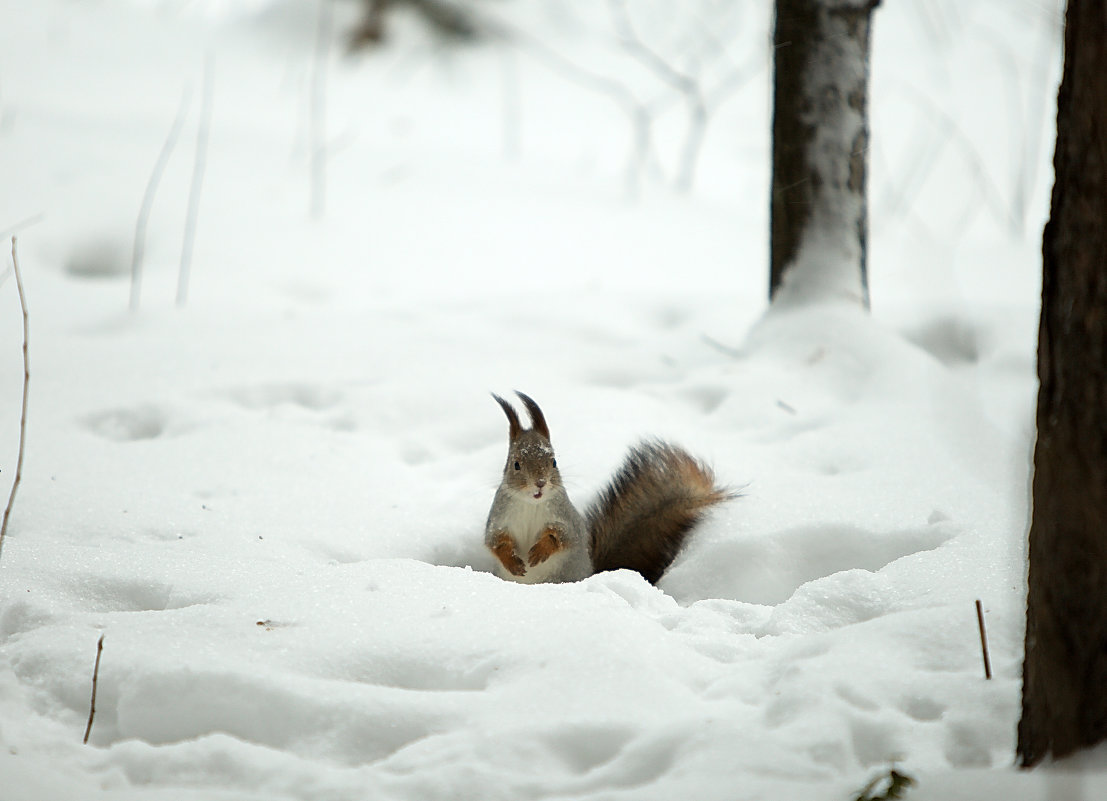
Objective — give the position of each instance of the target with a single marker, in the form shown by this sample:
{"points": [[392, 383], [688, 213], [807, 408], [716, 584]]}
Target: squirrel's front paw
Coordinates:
{"points": [[548, 544], [515, 565], [503, 548]]}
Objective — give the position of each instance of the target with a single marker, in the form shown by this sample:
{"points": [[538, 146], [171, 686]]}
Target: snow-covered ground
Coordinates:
{"points": [[270, 501]]}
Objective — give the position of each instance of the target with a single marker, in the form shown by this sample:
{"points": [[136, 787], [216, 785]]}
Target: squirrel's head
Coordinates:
{"points": [[531, 468]]}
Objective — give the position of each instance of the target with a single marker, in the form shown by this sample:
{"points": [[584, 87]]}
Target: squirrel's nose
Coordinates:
{"points": [[540, 483]]}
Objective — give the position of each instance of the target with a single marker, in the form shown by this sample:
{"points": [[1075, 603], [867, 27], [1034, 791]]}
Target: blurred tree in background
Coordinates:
{"points": [[451, 20], [820, 140]]}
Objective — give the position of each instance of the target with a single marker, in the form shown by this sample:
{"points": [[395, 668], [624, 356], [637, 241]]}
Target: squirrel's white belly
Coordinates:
{"points": [[526, 522]]}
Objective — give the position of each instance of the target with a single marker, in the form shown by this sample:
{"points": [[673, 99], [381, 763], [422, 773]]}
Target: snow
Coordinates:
{"points": [[271, 501]]}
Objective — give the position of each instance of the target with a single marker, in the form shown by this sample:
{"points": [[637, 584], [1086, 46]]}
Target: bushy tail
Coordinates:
{"points": [[640, 521]]}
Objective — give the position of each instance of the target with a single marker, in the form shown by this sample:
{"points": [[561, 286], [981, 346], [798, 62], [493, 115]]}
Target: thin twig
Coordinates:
{"points": [[983, 640], [203, 132], [646, 55], [699, 101], [26, 384], [95, 682], [318, 122], [139, 250]]}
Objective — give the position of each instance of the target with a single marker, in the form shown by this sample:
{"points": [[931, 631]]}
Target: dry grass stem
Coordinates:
{"points": [[983, 640], [26, 384], [95, 682]]}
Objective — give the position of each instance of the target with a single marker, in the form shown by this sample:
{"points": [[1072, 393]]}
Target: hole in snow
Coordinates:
{"points": [[128, 425], [947, 339]]}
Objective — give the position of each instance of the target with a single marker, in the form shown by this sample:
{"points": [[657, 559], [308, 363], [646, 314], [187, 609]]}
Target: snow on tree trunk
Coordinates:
{"points": [[1064, 701], [820, 149]]}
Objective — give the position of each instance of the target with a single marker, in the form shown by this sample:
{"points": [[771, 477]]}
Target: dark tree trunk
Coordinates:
{"points": [[1064, 696], [820, 148]]}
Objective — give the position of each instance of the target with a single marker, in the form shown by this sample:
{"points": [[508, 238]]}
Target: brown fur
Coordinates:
{"points": [[640, 521], [547, 545], [503, 548]]}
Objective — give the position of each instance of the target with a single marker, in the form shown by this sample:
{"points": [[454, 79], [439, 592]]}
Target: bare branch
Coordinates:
{"points": [[646, 55], [686, 84], [984, 183], [686, 87], [26, 384], [638, 112]]}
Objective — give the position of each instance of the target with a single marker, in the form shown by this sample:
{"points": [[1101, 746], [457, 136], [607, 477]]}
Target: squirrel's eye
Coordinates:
{"points": [[554, 463], [516, 465]]}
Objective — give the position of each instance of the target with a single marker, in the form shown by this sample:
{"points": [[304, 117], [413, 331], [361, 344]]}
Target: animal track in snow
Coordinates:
{"points": [[922, 709], [949, 340], [966, 747], [145, 421], [584, 748], [708, 397], [21, 616], [623, 760], [415, 454], [98, 257], [415, 672], [855, 698], [784, 710], [615, 378], [122, 595], [873, 741], [669, 317], [313, 397]]}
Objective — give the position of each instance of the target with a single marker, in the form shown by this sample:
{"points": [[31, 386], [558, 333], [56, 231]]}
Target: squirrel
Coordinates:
{"points": [[639, 521]]}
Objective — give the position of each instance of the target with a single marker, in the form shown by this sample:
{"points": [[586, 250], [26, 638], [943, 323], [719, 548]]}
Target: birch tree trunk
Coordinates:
{"points": [[1064, 701], [820, 149]]}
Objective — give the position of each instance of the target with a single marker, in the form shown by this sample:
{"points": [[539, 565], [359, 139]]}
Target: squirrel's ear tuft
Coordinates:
{"points": [[512, 418], [537, 419]]}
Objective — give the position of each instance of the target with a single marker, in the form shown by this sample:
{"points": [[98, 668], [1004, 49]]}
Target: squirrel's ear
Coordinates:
{"points": [[512, 417], [537, 419]]}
